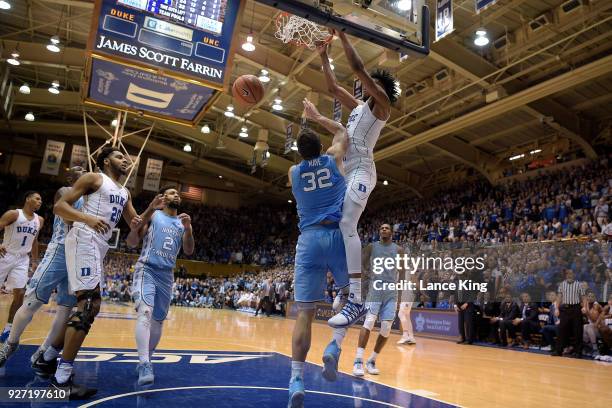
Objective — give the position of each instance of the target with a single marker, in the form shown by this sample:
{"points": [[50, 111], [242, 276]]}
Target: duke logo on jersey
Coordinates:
{"points": [[153, 276], [319, 189]]}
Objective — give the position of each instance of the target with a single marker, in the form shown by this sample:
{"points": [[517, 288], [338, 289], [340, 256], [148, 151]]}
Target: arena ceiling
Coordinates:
{"points": [[465, 110]]}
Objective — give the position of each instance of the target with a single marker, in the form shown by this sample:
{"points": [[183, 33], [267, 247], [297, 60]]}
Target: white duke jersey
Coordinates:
{"points": [[60, 228], [20, 235], [107, 203], [363, 130]]}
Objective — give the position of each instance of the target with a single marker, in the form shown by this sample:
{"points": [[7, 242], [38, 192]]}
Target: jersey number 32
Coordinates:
{"points": [[320, 179]]}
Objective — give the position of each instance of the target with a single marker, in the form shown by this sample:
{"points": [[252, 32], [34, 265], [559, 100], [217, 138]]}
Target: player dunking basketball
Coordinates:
{"points": [[364, 125], [319, 187], [21, 229], [105, 201], [164, 234], [51, 274]]}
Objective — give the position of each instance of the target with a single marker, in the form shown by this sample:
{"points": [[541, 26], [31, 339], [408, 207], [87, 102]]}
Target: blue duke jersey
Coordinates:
{"points": [[162, 242], [319, 189], [60, 228]]}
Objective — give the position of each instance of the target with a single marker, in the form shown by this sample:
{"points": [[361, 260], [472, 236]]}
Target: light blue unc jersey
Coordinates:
{"points": [[162, 242], [60, 228], [319, 189]]}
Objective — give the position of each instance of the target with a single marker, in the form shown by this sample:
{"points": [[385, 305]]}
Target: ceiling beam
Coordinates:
{"points": [[74, 129], [534, 93]]}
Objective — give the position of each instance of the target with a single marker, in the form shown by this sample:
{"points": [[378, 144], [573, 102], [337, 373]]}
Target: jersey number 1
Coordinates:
{"points": [[24, 240]]}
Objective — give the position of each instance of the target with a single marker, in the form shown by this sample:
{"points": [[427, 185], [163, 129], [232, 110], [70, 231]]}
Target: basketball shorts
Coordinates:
{"points": [[14, 270], [85, 252], [384, 308], [153, 288], [320, 248], [50, 274], [360, 180]]}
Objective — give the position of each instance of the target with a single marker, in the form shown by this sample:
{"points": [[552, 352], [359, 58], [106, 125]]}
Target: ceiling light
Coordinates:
{"points": [[205, 129], [404, 5], [536, 151], [29, 117], [248, 45], [53, 44], [114, 123], [187, 148], [289, 201], [294, 146], [14, 60], [229, 112], [268, 155], [24, 89], [277, 104], [385, 183], [243, 132], [5, 5], [264, 77], [518, 156], [54, 88], [220, 176], [481, 37]]}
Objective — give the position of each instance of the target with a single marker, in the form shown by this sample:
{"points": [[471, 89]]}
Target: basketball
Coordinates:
{"points": [[248, 90]]}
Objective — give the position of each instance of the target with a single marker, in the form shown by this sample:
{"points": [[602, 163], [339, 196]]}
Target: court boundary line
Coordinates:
{"points": [[129, 394]]}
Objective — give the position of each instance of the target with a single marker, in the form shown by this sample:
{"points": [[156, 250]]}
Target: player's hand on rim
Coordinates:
{"points": [[97, 224]]}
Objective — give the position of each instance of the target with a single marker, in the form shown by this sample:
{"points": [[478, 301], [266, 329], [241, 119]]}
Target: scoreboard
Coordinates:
{"points": [[203, 14], [164, 58]]}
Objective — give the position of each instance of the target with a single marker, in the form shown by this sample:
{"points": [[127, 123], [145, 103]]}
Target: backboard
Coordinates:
{"points": [[399, 25]]}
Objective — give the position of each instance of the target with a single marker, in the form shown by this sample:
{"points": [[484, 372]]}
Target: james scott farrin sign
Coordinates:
{"points": [[191, 38], [117, 85]]}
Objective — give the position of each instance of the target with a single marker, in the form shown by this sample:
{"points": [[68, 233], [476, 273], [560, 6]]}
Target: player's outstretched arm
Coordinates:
{"points": [[339, 142], [333, 87], [35, 251], [358, 67], [88, 183], [188, 241], [7, 219]]}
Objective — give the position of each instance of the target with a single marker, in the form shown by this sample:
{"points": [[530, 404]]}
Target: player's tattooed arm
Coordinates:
{"points": [[333, 87], [383, 104], [137, 231], [7, 219], [188, 241], [87, 184]]}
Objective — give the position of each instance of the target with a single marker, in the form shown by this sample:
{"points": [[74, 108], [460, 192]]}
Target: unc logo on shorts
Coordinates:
{"points": [[85, 271], [362, 188]]}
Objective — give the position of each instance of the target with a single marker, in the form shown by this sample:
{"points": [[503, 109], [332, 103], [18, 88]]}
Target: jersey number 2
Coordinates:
{"points": [[168, 244], [320, 179]]}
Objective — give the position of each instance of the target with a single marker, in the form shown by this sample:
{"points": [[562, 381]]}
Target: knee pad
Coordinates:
{"points": [[385, 328], [80, 321], [32, 303], [405, 307], [369, 321], [305, 306], [145, 314]]}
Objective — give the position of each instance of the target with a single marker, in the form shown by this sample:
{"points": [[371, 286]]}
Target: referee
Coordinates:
{"points": [[571, 300]]}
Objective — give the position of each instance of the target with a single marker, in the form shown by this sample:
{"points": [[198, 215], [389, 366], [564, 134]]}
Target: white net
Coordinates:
{"points": [[302, 32]]}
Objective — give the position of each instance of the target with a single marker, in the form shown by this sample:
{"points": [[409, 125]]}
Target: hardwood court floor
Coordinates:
{"points": [[469, 376]]}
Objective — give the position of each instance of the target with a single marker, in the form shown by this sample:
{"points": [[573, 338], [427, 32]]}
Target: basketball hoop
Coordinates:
{"points": [[301, 32]]}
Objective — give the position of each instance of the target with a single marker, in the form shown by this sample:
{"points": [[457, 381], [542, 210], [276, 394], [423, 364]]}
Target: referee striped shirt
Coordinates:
{"points": [[571, 292]]}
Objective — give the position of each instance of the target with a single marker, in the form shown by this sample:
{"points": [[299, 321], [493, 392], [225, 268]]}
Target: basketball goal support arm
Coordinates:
{"points": [[338, 23]]}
